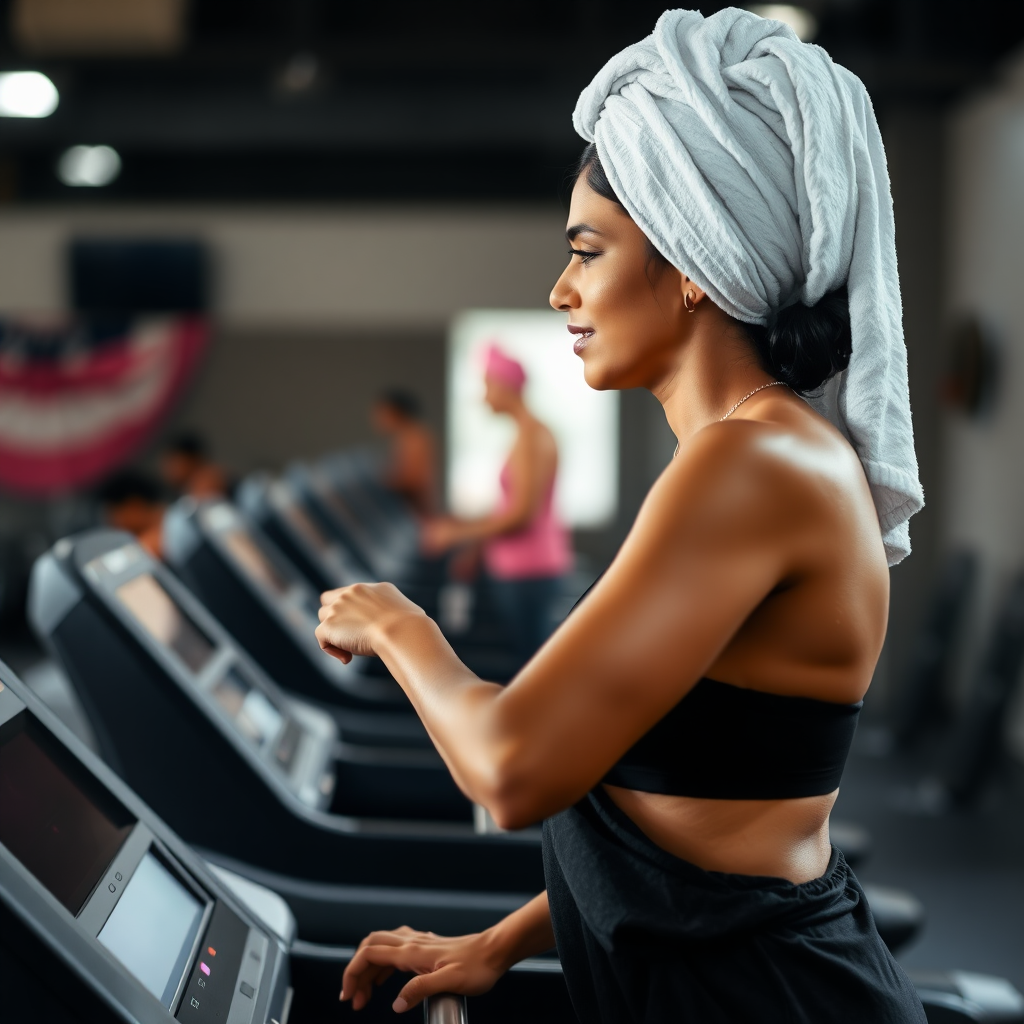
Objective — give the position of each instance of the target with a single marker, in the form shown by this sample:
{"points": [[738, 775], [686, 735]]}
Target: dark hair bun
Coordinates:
{"points": [[804, 346]]}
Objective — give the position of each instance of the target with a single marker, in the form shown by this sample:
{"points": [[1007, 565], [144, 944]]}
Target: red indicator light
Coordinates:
{"points": [[204, 969], [211, 951]]}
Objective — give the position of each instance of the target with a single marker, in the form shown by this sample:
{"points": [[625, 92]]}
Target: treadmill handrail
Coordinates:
{"points": [[445, 1008]]}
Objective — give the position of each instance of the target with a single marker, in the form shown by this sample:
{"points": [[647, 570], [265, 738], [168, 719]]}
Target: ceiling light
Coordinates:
{"points": [[27, 94], [799, 19], [89, 166]]}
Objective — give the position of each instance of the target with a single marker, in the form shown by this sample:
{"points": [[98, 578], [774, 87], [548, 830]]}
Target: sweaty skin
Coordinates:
{"points": [[756, 560]]}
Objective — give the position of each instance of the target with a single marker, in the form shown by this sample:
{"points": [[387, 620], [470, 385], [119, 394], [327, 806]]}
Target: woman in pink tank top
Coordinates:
{"points": [[526, 549]]}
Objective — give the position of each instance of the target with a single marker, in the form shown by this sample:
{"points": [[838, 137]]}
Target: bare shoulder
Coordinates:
{"points": [[539, 437], [794, 475]]}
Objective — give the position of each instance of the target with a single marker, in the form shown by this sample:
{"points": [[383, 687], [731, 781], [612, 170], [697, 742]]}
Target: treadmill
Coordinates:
{"points": [[273, 505], [238, 768], [352, 762], [360, 473], [268, 606], [355, 478], [387, 551], [346, 498], [284, 512], [89, 873], [107, 916]]}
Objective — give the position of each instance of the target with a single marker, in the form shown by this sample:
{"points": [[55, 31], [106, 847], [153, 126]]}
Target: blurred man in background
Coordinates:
{"points": [[411, 469], [132, 501], [186, 468]]}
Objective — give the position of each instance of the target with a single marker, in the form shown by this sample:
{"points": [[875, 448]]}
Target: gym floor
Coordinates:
{"points": [[966, 865]]}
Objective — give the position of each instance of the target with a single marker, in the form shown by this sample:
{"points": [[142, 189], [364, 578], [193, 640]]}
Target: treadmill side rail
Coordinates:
{"points": [[445, 1009], [61, 593]]}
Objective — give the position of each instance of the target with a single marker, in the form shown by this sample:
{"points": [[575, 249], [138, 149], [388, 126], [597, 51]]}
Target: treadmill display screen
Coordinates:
{"points": [[254, 561], [165, 621], [153, 927], [48, 821], [257, 719]]}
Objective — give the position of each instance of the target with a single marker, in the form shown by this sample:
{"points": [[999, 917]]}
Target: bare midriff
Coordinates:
{"points": [[777, 838]]}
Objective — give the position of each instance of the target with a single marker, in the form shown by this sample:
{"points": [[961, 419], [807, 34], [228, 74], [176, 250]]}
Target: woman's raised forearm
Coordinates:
{"points": [[457, 707], [474, 724]]}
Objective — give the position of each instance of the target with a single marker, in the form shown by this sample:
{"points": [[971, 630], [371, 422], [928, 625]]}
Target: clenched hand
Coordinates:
{"points": [[352, 619]]}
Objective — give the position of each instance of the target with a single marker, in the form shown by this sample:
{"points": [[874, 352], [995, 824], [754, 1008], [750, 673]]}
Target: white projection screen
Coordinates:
{"points": [[585, 422]]}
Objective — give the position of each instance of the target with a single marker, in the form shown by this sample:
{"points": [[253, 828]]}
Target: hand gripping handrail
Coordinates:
{"points": [[445, 1009]]}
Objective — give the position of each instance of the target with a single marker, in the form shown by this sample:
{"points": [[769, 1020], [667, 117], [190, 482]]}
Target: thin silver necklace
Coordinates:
{"points": [[750, 394]]}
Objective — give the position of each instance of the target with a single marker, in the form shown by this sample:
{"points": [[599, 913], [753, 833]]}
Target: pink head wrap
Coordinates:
{"points": [[503, 369]]}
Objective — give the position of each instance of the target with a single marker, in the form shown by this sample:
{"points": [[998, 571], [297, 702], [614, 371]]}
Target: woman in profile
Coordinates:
{"points": [[526, 549], [682, 735]]}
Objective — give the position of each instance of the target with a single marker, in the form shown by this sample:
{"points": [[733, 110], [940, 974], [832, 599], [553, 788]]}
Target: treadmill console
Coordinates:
{"points": [[292, 601], [162, 618], [298, 602], [339, 563], [293, 740], [270, 607], [68, 843]]}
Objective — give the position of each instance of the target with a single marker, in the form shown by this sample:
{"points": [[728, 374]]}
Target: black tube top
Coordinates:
{"points": [[729, 743]]}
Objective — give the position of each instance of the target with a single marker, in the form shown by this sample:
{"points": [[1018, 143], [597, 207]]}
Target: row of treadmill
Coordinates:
{"points": [[253, 808]]}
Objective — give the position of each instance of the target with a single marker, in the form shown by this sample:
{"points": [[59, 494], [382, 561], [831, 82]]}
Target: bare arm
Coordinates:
{"points": [[533, 463], [467, 965], [715, 536]]}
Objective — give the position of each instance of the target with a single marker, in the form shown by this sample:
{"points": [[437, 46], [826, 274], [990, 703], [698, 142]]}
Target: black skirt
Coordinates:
{"points": [[646, 937]]}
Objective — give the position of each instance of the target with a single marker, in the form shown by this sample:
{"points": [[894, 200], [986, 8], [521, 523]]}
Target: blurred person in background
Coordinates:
{"points": [[526, 549], [411, 470], [132, 501], [186, 468]]}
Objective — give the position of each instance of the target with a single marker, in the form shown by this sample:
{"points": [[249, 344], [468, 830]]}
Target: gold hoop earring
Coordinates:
{"points": [[689, 303]]}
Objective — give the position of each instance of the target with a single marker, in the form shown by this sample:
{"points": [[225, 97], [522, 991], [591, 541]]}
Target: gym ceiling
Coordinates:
{"points": [[293, 100]]}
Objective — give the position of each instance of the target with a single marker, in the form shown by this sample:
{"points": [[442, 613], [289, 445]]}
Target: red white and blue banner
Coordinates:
{"points": [[79, 397]]}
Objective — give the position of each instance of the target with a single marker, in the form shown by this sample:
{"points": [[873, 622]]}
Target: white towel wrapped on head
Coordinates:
{"points": [[755, 165]]}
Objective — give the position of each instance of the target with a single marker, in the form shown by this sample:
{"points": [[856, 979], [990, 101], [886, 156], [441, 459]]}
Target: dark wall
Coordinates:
{"points": [[264, 398], [914, 136]]}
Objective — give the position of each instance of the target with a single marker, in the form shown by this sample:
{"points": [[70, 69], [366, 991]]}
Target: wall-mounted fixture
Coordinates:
{"points": [[131, 275], [970, 384], [300, 75]]}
